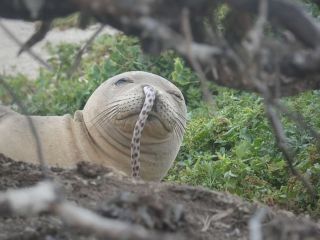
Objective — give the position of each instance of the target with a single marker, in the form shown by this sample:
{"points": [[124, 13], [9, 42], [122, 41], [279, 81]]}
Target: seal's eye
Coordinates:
{"points": [[176, 94], [122, 81]]}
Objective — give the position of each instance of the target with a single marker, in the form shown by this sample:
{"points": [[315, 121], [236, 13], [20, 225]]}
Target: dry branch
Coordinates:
{"points": [[39, 34], [255, 224], [24, 47], [157, 23], [284, 146], [82, 50], [288, 15], [45, 198]]}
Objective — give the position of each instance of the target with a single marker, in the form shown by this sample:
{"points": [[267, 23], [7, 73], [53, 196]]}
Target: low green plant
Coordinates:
{"points": [[234, 150], [66, 22], [58, 93]]}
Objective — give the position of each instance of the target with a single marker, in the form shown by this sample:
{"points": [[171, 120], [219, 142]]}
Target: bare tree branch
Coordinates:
{"points": [[255, 224], [160, 28], [283, 146], [45, 197], [36, 10], [298, 119], [254, 37], [37, 36], [204, 83], [253, 74], [29, 51], [287, 14], [87, 44]]}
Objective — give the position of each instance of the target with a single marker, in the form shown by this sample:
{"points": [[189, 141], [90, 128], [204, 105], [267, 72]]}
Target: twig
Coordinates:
{"points": [[298, 119], [28, 201], [32, 128], [252, 47], [36, 37], [84, 19], [283, 145], [204, 83], [253, 73], [200, 52], [216, 217], [302, 26], [255, 232], [29, 51], [78, 57], [44, 197], [252, 42], [280, 136]]}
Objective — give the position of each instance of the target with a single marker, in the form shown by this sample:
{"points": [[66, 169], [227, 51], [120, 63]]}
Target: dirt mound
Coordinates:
{"points": [[182, 211]]}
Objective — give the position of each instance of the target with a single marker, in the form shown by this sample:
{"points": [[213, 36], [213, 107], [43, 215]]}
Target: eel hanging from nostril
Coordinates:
{"points": [[150, 95]]}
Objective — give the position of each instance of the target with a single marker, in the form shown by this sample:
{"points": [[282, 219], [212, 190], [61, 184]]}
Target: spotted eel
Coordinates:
{"points": [[150, 96]]}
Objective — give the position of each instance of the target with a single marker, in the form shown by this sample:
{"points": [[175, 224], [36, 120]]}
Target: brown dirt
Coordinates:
{"points": [[169, 208]]}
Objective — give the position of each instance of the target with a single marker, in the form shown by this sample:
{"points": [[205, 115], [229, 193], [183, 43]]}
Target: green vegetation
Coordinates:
{"points": [[232, 149], [311, 7], [66, 22]]}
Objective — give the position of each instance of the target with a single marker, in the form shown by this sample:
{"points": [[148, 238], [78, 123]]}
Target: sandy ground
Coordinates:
{"points": [[10, 63]]}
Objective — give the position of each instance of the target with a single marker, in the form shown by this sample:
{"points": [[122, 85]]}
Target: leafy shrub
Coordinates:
{"points": [[57, 93], [66, 22], [234, 150]]}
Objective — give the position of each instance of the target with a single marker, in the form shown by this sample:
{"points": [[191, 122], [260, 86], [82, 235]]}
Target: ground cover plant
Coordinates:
{"points": [[231, 148]]}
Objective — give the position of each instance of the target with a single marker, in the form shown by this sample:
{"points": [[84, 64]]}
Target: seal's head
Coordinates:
{"points": [[112, 112]]}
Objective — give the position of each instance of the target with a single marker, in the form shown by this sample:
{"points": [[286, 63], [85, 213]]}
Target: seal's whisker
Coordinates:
{"points": [[178, 132], [122, 100], [110, 115], [104, 111], [107, 115], [179, 114], [179, 128], [180, 124], [113, 104]]}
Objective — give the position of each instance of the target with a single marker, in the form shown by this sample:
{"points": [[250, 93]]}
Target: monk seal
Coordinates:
{"points": [[102, 132]]}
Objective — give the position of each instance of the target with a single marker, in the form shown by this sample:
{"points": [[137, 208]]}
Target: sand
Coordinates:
{"points": [[11, 64]]}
